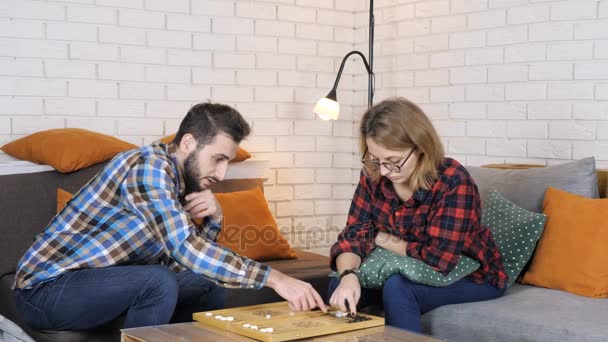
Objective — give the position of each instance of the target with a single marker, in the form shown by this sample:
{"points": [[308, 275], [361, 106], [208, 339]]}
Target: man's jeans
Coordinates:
{"points": [[146, 295]]}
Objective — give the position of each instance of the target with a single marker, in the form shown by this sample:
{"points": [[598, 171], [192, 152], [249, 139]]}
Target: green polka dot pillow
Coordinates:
{"points": [[515, 230], [382, 263]]}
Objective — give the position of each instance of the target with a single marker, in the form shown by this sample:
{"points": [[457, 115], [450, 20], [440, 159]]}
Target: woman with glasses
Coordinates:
{"points": [[413, 201]]}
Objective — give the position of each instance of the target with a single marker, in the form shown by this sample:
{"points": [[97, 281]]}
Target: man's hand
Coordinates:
{"points": [[203, 204], [349, 291], [391, 242], [300, 295]]}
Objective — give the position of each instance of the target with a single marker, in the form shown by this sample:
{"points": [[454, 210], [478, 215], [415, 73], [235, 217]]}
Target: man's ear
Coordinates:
{"points": [[188, 143]]}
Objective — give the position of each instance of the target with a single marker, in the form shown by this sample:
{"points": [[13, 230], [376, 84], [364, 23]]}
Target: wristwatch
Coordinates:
{"points": [[347, 272]]}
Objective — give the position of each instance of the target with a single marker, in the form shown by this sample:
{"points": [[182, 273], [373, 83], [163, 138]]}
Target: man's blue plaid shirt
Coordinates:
{"points": [[130, 214]]}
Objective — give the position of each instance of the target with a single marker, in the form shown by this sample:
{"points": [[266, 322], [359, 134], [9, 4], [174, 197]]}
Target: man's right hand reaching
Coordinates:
{"points": [[300, 295]]}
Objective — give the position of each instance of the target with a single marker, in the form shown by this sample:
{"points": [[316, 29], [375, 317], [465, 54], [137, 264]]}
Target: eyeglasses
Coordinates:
{"points": [[392, 167]]}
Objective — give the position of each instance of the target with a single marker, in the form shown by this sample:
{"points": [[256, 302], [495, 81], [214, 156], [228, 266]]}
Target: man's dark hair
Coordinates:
{"points": [[206, 120]]}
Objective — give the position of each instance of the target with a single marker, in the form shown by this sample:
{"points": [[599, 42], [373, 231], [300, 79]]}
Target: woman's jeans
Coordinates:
{"points": [[404, 301], [146, 295]]}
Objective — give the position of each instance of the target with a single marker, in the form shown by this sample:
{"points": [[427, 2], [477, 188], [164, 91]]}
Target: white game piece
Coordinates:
{"points": [[254, 327], [246, 325], [268, 316], [230, 319], [263, 330], [218, 317], [208, 314], [224, 318], [269, 330]]}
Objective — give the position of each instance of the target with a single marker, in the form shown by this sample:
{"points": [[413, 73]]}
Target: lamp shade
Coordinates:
{"points": [[327, 109]]}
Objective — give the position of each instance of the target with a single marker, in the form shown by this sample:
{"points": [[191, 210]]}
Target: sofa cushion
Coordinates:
{"points": [[524, 314], [526, 188], [253, 232], [10, 331], [67, 149], [515, 230], [571, 255]]}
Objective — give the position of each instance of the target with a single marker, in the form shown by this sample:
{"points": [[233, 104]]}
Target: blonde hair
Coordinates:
{"points": [[398, 124]]}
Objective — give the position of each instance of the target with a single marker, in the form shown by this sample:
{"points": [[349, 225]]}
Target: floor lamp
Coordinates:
{"points": [[328, 107]]}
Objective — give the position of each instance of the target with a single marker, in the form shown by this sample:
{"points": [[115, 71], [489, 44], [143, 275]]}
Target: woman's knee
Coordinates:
{"points": [[333, 285], [397, 287]]}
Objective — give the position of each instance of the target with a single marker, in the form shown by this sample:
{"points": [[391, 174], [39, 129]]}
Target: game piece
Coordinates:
{"points": [[268, 316]]}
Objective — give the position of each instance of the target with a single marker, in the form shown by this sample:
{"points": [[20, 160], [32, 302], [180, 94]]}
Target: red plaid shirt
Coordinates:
{"points": [[438, 225]]}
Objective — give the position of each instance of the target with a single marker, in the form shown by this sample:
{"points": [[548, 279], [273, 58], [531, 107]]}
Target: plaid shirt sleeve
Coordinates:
{"points": [[153, 195], [449, 222], [358, 235], [210, 228]]}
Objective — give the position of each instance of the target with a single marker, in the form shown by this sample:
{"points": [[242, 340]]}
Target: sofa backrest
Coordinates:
{"points": [[526, 188], [602, 175], [29, 201], [27, 204]]}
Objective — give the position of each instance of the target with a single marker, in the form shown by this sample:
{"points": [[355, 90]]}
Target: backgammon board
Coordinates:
{"points": [[277, 322]]}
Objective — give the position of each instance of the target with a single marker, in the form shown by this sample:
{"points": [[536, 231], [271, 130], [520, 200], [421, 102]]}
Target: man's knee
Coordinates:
{"points": [[162, 279]]}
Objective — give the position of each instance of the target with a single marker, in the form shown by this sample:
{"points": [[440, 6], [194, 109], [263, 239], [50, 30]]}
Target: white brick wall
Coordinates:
{"points": [[526, 80], [503, 80], [133, 68]]}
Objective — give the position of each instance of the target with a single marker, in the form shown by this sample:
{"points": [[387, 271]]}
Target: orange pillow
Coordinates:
{"points": [[241, 154], [63, 197], [252, 232], [67, 149], [249, 228], [571, 254]]}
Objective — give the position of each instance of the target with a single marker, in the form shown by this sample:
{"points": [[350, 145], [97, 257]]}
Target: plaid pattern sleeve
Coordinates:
{"points": [[358, 236], [210, 228], [448, 227], [154, 197]]}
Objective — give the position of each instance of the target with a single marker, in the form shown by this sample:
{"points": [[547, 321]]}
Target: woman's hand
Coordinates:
{"points": [[349, 291], [391, 242]]}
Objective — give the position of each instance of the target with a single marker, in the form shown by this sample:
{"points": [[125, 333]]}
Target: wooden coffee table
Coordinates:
{"points": [[192, 332]]}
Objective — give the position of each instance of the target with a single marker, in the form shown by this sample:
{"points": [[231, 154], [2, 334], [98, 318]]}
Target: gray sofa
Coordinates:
{"points": [[525, 313], [28, 202], [529, 313]]}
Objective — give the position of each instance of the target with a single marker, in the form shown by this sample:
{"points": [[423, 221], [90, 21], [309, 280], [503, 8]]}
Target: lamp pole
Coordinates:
{"points": [[370, 76], [328, 107]]}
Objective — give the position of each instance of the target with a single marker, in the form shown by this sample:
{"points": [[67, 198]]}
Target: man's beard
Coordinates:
{"points": [[192, 175]]}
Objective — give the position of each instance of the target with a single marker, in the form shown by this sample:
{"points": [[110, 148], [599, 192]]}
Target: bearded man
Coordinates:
{"points": [[126, 243]]}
